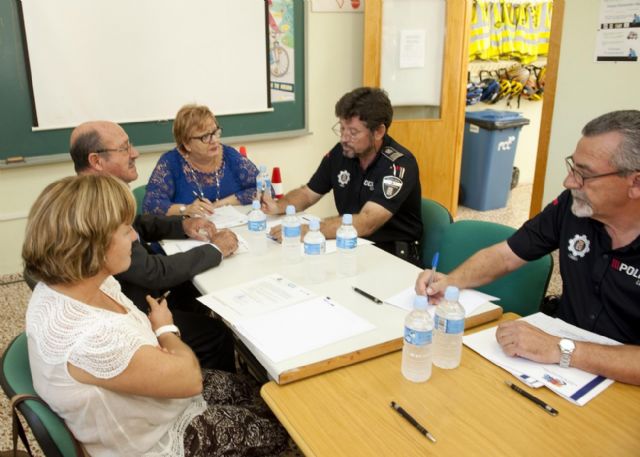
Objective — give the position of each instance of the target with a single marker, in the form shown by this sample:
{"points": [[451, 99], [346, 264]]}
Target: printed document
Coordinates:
{"points": [[571, 383]]}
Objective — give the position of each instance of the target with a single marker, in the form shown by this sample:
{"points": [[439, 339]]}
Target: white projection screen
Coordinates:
{"points": [[141, 60]]}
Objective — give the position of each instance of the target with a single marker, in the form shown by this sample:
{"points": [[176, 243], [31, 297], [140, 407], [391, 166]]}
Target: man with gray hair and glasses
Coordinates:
{"points": [[595, 225]]}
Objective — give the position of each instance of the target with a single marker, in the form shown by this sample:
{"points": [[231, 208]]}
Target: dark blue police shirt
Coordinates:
{"points": [[392, 180], [601, 286]]}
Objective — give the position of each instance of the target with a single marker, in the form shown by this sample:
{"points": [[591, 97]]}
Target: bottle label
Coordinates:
{"points": [[258, 226], [313, 248], [417, 337], [449, 325], [291, 232], [346, 243]]}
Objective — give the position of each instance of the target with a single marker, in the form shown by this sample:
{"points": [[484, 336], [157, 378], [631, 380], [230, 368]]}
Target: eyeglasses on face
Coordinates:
{"points": [[579, 177], [209, 137], [351, 133], [126, 149]]}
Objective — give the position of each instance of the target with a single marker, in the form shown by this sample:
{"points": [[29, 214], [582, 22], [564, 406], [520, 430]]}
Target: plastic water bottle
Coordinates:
{"points": [[314, 249], [291, 236], [346, 243], [263, 181], [418, 332], [448, 330], [257, 226]]}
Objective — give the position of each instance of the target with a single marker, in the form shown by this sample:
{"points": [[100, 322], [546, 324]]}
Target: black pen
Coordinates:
{"points": [[369, 296], [536, 400], [412, 421]]}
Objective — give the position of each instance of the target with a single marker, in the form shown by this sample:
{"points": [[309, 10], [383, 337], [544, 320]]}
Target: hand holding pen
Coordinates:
{"points": [[432, 281], [200, 207]]}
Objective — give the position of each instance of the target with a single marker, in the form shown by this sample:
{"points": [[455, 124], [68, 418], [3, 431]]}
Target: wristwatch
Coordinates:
{"points": [[167, 329], [566, 350], [182, 209]]}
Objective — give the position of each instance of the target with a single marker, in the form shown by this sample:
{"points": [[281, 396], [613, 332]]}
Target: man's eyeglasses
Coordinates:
{"points": [[209, 137], [340, 131], [126, 149], [579, 177]]}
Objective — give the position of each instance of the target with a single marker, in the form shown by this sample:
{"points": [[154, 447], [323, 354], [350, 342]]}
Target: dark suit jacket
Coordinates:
{"points": [[150, 273]]}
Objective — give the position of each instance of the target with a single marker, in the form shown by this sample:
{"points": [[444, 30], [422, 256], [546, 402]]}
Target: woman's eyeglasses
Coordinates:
{"points": [[209, 137]]}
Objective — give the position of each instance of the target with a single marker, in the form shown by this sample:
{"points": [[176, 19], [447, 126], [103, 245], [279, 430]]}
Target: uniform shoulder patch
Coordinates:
{"points": [[392, 154]]}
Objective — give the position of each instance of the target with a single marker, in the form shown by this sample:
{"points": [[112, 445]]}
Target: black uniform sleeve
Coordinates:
{"points": [[320, 182], [541, 235], [406, 174], [155, 228]]}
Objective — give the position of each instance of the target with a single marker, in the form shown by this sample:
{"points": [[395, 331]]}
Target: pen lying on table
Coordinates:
{"points": [[536, 400], [412, 421], [367, 295]]}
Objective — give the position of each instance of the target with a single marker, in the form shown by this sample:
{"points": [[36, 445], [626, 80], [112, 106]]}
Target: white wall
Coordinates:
{"points": [[334, 66], [585, 89]]}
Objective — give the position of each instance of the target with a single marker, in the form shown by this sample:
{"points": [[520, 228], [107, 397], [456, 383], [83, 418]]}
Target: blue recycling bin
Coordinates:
{"points": [[488, 150]]}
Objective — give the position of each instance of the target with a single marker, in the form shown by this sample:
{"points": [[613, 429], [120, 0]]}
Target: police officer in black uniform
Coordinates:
{"points": [[371, 175], [595, 225]]}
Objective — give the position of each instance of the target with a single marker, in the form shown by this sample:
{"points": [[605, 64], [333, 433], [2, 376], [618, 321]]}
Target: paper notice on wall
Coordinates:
{"points": [[412, 48], [618, 27]]}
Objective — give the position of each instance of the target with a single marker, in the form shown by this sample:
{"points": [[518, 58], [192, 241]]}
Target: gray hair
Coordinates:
{"points": [[82, 146], [627, 123]]}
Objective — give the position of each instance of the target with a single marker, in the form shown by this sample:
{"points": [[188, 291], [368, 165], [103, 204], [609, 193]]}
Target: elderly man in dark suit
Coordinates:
{"points": [[104, 147]]}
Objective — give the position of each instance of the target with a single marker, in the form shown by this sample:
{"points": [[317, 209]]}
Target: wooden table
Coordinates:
{"points": [[469, 410]]}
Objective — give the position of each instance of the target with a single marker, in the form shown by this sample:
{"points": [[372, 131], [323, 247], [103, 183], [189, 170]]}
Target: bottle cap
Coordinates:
{"points": [[291, 210], [451, 293], [243, 151], [314, 224], [347, 219], [255, 204], [420, 302], [263, 168]]}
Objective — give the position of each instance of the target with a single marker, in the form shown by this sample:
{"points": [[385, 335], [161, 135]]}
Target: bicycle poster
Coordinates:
{"points": [[281, 50]]}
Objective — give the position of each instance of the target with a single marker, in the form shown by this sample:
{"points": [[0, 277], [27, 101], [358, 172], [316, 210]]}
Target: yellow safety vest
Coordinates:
{"points": [[480, 41]]}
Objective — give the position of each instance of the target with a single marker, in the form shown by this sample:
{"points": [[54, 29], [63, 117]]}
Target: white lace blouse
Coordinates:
{"points": [[62, 330]]}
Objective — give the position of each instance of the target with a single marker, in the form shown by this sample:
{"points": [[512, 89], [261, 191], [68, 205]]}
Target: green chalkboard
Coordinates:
{"points": [[19, 144]]}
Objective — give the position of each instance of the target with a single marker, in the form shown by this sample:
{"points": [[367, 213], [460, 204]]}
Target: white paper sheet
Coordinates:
{"points": [[257, 297], [175, 246], [303, 327], [228, 216], [572, 384], [469, 299]]}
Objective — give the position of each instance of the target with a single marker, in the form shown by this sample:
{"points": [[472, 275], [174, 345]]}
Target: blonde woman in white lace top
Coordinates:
{"points": [[124, 383]]}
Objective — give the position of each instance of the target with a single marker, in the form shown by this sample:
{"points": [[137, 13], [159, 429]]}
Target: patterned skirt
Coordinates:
{"points": [[236, 423]]}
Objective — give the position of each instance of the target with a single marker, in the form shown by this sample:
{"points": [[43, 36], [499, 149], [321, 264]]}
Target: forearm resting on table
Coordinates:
{"points": [[621, 363]]}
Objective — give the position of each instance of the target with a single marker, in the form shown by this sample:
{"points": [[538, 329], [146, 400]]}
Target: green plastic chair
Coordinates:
{"points": [[139, 193], [521, 291], [435, 218], [50, 431]]}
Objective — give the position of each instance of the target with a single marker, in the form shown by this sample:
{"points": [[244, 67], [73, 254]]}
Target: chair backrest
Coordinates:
{"points": [[52, 435], [435, 218], [521, 291], [139, 193]]}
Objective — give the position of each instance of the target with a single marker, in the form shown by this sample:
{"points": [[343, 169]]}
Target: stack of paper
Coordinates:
{"points": [[573, 384], [283, 320]]}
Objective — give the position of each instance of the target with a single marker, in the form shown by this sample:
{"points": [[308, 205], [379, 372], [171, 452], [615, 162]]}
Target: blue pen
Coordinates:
{"points": [[434, 268]]}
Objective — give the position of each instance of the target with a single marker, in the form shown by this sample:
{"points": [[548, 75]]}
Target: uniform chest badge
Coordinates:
{"points": [[343, 178], [579, 245], [391, 185]]}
